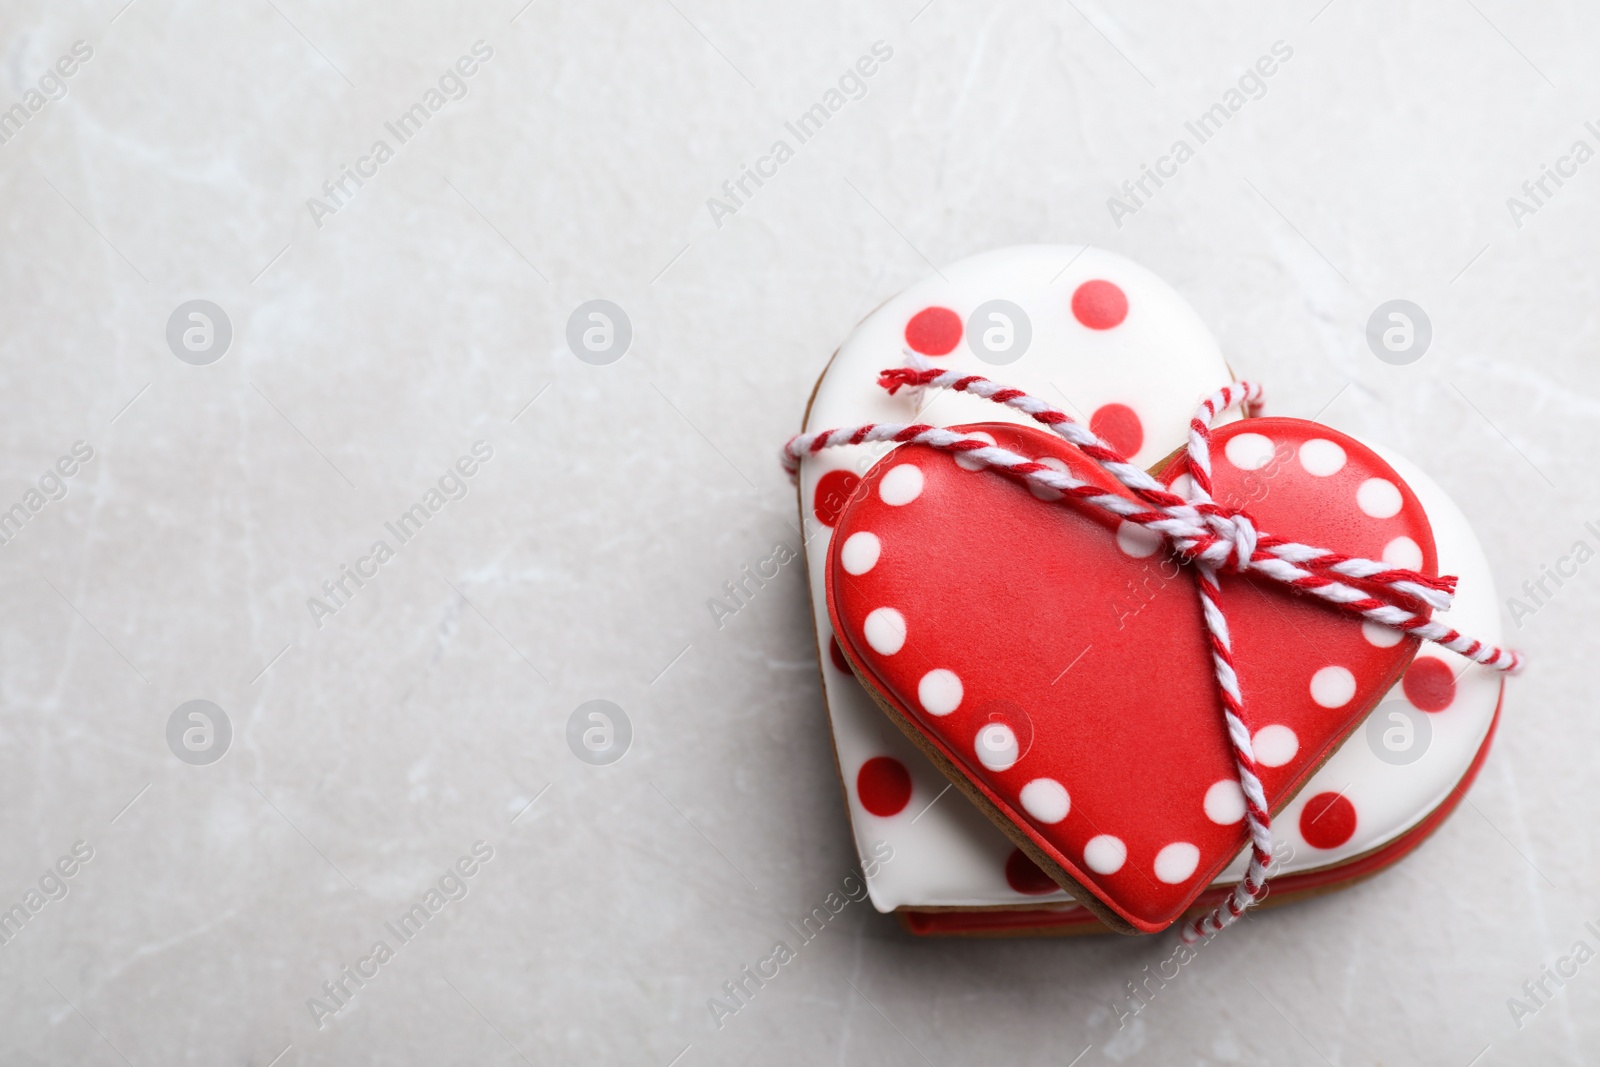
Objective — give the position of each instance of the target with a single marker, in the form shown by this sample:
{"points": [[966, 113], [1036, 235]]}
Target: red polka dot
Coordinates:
{"points": [[1099, 305], [884, 786], [1119, 427], [934, 331], [836, 654], [1429, 684], [1328, 821], [833, 492], [1024, 875]]}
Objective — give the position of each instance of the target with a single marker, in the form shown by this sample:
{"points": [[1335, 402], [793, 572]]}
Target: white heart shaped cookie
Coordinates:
{"points": [[1122, 351]]}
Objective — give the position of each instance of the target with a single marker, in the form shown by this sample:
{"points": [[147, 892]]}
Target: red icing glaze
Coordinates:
{"points": [[1099, 304], [1429, 685], [884, 786], [1119, 427], [1024, 875], [1328, 820], [833, 489], [1080, 662], [837, 656], [934, 331]]}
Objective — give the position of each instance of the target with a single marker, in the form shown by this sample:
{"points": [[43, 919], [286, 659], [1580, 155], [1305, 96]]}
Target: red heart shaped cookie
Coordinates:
{"points": [[1054, 663]]}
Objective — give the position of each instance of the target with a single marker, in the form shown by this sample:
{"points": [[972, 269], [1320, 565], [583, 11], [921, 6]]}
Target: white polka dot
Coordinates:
{"points": [[1322, 457], [1105, 854], [901, 485], [1225, 802], [968, 464], [1333, 687], [1176, 862], [996, 746], [1044, 492], [885, 631], [939, 691], [1275, 745], [859, 553], [1182, 486], [1381, 636], [1249, 451], [1379, 498], [1136, 540], [1046, 800], [1403, 552]]}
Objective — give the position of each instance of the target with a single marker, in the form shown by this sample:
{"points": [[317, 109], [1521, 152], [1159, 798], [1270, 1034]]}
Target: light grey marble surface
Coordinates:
{"points": [[374, 344]]}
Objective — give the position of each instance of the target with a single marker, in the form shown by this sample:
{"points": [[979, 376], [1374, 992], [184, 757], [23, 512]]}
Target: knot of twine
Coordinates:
{"points": [[1213, 538]]}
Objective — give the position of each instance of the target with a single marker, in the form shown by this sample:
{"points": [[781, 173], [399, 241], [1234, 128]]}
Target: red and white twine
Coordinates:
{"points": [[1215, 538]]}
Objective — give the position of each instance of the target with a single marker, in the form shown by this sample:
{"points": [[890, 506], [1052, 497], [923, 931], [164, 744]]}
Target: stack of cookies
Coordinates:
{"points": [[1022, 696]]}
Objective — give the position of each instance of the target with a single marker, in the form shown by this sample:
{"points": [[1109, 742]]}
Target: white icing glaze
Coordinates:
{"points": [[1159, 362]]}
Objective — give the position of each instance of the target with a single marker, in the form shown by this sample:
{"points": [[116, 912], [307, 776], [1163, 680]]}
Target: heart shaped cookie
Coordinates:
{"points": [[1055, 666], [1121, 350]]}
